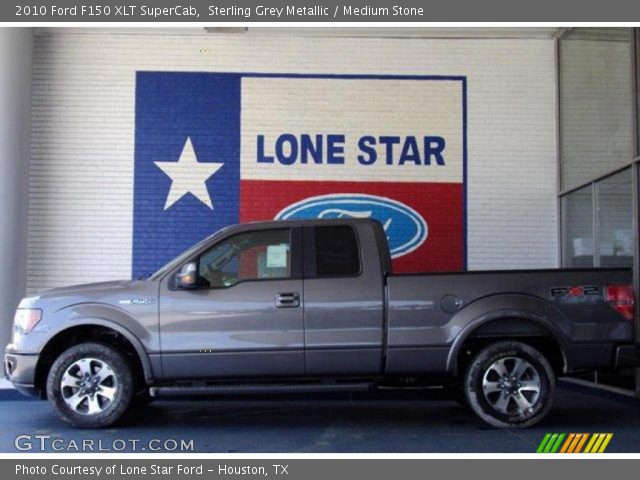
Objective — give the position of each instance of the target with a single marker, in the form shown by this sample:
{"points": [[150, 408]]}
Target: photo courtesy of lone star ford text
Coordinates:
{"points": [[180, 470]]}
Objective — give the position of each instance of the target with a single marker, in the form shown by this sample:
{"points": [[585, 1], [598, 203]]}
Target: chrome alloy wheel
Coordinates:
{"points": [[89, 386], [511, 386]]}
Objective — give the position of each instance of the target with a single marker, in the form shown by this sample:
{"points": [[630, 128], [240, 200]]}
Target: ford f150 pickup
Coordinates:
{"points": [[313, 305]]}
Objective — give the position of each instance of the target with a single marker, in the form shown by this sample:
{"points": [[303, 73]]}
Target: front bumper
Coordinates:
{"points": [[627, 356], [20, 370]]}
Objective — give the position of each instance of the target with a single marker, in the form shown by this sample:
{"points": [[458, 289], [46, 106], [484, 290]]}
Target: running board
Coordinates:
{"points": [[253, 389]]}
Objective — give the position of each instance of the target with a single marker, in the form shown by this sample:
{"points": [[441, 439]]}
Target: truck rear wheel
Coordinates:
{"points": [[510, 385], [90, 385]]}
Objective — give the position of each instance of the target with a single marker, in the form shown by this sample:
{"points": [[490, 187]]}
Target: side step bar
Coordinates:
{"points": [[253, 389]]}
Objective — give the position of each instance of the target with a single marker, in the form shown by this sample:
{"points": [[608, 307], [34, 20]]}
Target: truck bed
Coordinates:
{"points": [[428, 314]]}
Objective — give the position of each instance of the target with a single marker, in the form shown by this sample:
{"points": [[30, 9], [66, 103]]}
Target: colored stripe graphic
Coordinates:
{"points": [[558, 442], [578, 448], [569, 445], [605, 444], [543, 443], [574, 443], [550, 443], [598, 443]]}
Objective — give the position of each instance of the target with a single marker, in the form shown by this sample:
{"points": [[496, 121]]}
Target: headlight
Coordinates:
{"points": [[27, 318]]}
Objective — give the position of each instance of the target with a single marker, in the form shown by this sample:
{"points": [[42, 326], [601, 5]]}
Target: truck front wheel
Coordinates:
{"points": [[90, 385], [510, 385]]}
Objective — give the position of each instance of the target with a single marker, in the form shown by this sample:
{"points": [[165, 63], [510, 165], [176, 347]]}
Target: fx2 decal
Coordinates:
{"points": [[579, 291]]}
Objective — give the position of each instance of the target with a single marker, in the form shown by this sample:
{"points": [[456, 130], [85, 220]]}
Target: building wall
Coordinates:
{"points": [[596, 104], [596, 139], [83, 131], [16, 45]]}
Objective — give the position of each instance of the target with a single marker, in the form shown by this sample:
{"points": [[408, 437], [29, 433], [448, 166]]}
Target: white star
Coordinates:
{"points": [[188, 175]]}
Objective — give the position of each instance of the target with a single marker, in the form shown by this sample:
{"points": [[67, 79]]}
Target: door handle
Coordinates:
{"points": [[288, 300]]}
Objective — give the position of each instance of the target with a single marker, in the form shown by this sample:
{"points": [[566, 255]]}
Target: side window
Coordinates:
{"points": [[337, 251], [255, 255]]}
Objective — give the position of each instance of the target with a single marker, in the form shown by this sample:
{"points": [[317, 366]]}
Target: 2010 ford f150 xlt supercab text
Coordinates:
{"points": [[313, 305]]}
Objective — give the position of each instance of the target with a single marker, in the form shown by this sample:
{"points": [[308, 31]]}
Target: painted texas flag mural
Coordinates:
{"points": [[214, 149]]}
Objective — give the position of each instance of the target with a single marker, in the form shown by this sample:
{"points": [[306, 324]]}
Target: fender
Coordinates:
{"points": [[109, 317], [503, 306]]}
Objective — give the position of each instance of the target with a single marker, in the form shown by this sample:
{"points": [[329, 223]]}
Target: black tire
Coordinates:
{"points": [[120, 380], [514, 403]]}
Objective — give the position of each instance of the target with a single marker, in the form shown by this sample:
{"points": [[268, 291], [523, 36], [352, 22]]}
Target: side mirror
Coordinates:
{"points": [[188, 276]]}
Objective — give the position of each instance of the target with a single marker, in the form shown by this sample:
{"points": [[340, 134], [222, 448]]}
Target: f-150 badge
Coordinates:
{"points": [[138, 301]]}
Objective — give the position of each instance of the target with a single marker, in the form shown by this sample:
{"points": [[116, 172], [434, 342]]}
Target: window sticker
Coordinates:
{"points": [[277, 256]]}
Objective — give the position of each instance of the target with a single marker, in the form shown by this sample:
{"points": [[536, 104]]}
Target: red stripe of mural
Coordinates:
{"points": [[440, 204]]}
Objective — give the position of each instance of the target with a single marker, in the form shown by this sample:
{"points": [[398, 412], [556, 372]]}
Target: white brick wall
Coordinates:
{"points": [[80, 212]]}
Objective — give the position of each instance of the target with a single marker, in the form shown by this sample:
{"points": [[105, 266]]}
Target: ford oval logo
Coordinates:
{"points": [[405, 228]]}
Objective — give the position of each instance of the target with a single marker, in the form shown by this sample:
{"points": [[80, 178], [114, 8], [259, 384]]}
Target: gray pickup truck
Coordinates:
{"points": [[306, 306]]}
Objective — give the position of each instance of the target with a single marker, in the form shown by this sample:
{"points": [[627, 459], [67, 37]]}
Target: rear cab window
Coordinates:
{"points": [[337, 251]]}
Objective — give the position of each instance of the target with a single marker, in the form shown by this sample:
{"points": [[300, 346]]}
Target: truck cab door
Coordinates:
{"points": [[344, 300], [245, 318]]}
